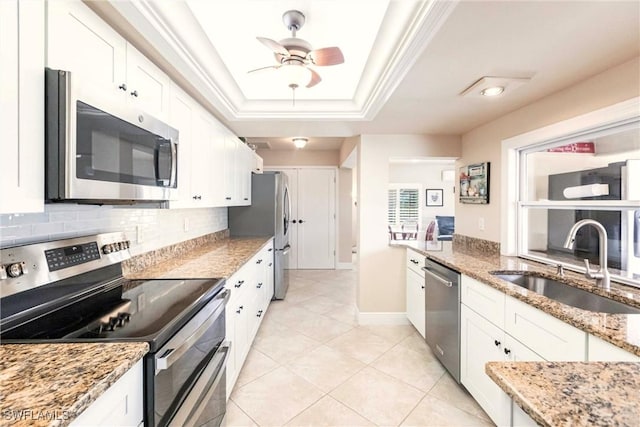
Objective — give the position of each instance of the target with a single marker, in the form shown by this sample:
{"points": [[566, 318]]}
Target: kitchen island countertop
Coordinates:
{"points": [[51, 384], [572, 393]]}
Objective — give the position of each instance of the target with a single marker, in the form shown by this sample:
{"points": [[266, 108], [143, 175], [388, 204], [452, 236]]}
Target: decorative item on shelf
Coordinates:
{"points": [[474, 183], [434, 197]]}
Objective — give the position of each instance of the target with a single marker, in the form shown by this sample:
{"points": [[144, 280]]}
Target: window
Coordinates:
{"points": [[593, 174], [404, 204]]}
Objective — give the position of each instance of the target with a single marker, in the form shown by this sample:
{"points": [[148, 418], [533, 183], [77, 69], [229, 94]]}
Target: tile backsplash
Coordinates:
{"points": [[147, 228]]}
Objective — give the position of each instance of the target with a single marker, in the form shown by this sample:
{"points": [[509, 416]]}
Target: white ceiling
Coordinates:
{"points": [[406, 61]]}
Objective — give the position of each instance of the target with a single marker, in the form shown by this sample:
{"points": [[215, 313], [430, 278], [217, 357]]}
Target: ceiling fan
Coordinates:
{"points": [[296, 54]]}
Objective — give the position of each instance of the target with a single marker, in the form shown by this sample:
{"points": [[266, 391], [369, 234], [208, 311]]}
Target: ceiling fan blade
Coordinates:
{"points": [[275, 67], [315, 78], [274, 46], [326, 56]]}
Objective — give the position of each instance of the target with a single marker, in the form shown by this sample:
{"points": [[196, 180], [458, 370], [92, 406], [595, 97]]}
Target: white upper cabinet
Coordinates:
{"points": [[181, 117], [22, 105], [79, 41], [147, 86], [238, 164]]}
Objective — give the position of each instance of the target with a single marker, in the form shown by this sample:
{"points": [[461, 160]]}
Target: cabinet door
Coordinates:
{"points": [[121, 404], [80, 42], [482, 342], [231, 192], [484, 299], [245, 165], [181, 117], [415, 301], [22, 105], [269, 271], [230, 330], [258, 163], [201, 153], [549, 337], [147, 85], [602, 351]]}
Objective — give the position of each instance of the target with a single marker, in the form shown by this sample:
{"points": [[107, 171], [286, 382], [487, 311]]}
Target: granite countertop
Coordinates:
{"points": [[622, 330], [572, 393], [51, 384], [213, 259]]}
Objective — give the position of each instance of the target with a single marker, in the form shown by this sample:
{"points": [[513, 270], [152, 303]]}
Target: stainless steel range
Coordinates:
{"points": [[73, 291]]}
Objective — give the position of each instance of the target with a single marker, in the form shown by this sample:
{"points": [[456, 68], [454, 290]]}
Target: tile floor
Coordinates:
{"points": [[312, 365]]}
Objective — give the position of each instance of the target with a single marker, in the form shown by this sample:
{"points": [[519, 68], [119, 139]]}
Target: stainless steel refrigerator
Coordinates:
{"points": [[268, 214]]}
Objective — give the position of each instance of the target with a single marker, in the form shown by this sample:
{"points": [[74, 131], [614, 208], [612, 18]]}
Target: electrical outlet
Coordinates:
{"points": [[138, 234], [186, 224], [481, 223]]}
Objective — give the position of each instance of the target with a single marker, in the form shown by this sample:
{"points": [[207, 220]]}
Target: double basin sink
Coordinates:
{"points": [[564, 293]]}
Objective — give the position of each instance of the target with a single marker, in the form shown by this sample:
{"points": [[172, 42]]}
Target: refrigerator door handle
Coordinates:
{"points": [[285, 250]]}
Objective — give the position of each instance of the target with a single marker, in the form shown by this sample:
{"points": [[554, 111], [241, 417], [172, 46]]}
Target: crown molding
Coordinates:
{"points": [[175, 33]]}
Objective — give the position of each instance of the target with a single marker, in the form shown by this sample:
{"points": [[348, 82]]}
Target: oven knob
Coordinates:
{"points": [[15, 270], [119, 246], [106, 249], [113, 322]]}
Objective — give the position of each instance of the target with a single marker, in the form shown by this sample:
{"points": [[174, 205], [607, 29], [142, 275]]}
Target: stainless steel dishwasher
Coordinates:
{"points": [[442, 304]]}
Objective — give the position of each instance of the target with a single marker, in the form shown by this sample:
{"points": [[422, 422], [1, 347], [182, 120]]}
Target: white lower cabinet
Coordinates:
{"points": [[246, 308], [415, 291], [601, 351], [120, 405], [497, 327]]}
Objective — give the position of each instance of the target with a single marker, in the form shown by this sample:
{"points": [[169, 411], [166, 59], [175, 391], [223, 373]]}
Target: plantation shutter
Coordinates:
{"points": [[393, 207], [404, 205]]}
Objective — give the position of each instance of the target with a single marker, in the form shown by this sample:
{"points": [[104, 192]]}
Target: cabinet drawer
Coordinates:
{"points": [[549, 337], [485, 300], [602, 351], [415, 261]]}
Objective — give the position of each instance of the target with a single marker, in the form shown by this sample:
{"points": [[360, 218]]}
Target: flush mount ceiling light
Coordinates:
{"points": [[488, 87], [300, 142]]}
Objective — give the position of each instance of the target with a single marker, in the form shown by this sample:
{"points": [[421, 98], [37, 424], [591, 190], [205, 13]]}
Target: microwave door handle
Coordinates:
{"points": [[171, 355], [174, 163]]}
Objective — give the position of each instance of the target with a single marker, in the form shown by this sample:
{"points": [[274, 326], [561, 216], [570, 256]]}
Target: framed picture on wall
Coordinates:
{"points": [[474, 183], [434, 197]]}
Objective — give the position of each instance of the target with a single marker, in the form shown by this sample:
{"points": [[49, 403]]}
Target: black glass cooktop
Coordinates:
{"points": [[116, 309]]}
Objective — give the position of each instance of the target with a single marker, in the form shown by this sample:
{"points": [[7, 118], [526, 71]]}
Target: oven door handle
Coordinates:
{"points": [[200, 394], [173, 354]]}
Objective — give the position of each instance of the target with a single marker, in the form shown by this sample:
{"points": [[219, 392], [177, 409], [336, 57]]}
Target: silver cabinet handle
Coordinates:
{"points": [[285, 250], [447, 283]]}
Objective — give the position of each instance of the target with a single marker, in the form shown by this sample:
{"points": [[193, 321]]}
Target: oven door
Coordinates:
{"points": [[186, 377]]}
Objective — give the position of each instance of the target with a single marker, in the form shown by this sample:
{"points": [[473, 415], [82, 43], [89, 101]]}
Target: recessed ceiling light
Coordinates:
{"points": [[300, 142], [492, 91], [493, 86]]}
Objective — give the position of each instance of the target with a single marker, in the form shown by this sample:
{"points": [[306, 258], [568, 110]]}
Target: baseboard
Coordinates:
{"points": [[382, 318], [344, 266]]}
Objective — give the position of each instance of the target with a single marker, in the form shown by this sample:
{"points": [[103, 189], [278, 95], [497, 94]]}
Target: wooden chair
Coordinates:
{"points": [[410, 230], [431, 230]]}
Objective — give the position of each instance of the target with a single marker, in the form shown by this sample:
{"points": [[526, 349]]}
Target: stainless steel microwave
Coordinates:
{"points": [[101, 150]]}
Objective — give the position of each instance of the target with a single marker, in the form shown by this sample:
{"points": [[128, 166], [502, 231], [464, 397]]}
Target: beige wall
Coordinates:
{"points": [[484, 143], [381, 275], [299, 157], [344, 216]]}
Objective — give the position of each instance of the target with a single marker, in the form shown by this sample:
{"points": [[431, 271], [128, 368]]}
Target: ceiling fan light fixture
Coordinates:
{"points": [[300, 142], [295, 74]]}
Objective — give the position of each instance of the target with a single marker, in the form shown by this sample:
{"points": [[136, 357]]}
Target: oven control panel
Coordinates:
{"points": [[60, 258]]}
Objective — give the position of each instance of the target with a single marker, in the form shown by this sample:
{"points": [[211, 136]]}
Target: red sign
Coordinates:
{"points": [[576, 147]]}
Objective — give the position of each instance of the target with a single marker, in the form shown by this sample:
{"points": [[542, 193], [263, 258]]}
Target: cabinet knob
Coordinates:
{"points": [[134, 93], [239, 309], [300, 221], [246, 198], [422, 286], [259, 261], [507, 351], [123, 86], [227, 198], [259, 285], [294, 221], [259, 313], [497, 343]]}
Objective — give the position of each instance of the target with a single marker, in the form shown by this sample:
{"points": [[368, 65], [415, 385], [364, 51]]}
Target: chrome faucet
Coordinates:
{"points": [[602, 277]]}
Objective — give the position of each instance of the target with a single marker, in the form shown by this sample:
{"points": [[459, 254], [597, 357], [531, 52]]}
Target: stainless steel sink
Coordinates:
{"points": [[564, 293]]}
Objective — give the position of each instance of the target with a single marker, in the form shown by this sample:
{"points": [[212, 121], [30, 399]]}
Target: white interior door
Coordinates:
{"points": [[316, 218]]}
